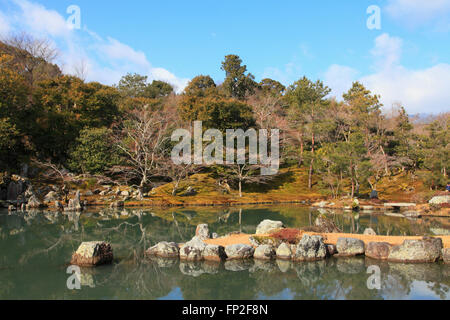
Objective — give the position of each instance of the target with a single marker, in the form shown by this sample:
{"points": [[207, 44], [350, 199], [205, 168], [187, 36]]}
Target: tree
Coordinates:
{"points": [[11, 147], [94, 151], [141, 137], [307, 98], [237, 82], [137, 86]]}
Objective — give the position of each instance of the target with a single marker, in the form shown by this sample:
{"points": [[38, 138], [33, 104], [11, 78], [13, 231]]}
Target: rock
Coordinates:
{"points": [[326, 225], [446, 255], [284, 252], [264, 252], [440, 200], [88, 193], [417, 251], [268, 226], [11, 208], [440, 231], [34, 203], [58, 205], [193, 250], [117, 204], [51, 196], [321, 204], [310, 248], [260, 240], [350, 247], [190, 192], [214, 253], [164, 250], [90, 254], [75, 203], [214, 235], [378, 250], [331, 249], [370, 232], [125, 193], [202, 232], [239, 251]]}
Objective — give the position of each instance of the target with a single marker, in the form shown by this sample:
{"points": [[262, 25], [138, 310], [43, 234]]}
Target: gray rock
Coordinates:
{"points": [[378, 250], [417, 251], [202, 232], [350, 247], [440, 200], [284, 252], [164, 250], [214, 253], [446, 255], [75, 203], [51, 196], [92, 254], [214, 235], [239, 251], [310, 248], [264, 252], [193, 250], [268, 226], [370, 232], [34, 203]]}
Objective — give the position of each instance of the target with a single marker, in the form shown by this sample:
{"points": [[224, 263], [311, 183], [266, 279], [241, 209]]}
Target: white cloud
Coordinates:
{"points": [[339, 78], [415, 13], [104, 60], [420, 90]]}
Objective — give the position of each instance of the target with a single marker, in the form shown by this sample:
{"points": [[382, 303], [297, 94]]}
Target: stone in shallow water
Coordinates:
{"points": [[378, 250], [268, 226], [92, 253], [264, 252], [417, 251], [164, 250], [214, 253], [310, 248], [350, 247], [239, 251]]}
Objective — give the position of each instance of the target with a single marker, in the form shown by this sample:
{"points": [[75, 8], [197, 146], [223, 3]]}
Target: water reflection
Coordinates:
{"points": [[35, 249]]}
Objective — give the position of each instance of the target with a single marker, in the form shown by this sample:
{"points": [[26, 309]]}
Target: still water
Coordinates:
{"points": [[35, 250]]}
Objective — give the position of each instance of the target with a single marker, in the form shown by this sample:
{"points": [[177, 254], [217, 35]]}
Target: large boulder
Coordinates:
{"points": [[284, 252], [193, 250], [239, 251], [440, 200], [264, 252], [378, 250], [268, 226], [34, 203], [417, 251], [214, 253], [326, 225], [202, 231], [164, 250], [350, 247], [94, 253], [310, 248]]}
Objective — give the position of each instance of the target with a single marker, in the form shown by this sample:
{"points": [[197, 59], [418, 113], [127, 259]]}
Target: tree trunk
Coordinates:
{"points": [[240, 188], [312, 161], [301, 150]]}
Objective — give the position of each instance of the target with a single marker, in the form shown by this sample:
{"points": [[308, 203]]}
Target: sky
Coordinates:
{"points": [[405, 59]]}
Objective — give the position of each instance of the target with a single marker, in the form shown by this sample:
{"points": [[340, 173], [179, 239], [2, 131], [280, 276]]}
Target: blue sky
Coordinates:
{"points": [[407, 60]]}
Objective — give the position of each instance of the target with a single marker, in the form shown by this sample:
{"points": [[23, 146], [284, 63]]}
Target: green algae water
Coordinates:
{"points": [[36, 246]]}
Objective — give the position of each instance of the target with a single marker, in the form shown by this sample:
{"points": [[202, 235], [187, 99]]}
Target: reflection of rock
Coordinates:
{"points": [[239, 251], [163, 262], [378, 250], [284, 252], [264, 252], [351, 265], [264, 265], [310, 248], [417, 272], [426, 250], [165, 250], [238, 265], [268, 226], [92, 254], [310, 272], [284, 265], [350, 247], [196, 269]]}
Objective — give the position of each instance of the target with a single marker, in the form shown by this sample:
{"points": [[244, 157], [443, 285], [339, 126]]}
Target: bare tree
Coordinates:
{"points": [[80, 69]]}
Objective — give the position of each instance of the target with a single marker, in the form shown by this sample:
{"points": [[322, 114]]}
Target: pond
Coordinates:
{"points": [[36, 246]]}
